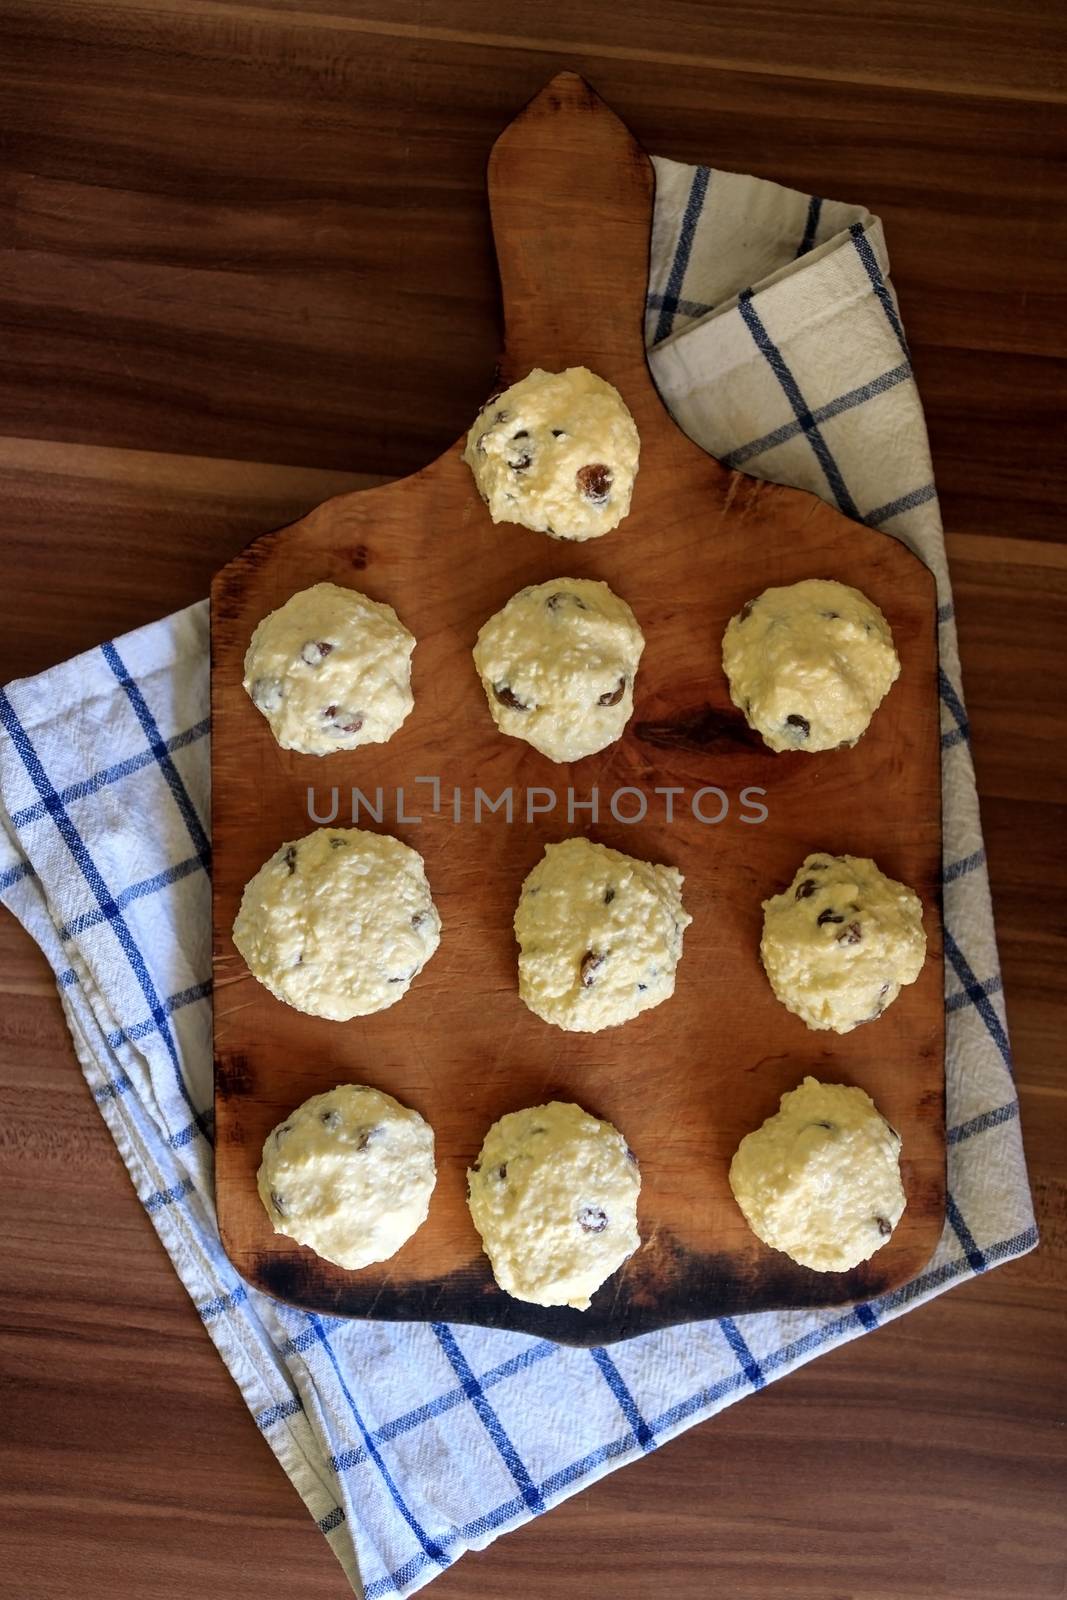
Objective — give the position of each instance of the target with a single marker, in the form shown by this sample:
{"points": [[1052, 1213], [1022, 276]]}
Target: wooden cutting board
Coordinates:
{"points": [[571, 200]]}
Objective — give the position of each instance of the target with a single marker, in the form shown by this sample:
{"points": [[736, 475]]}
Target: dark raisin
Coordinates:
{"points": [[521, 463], [418, 918], [315, 652], [802, 724], [829, 915], [290, 859], [561, 598], [805, 889], [366, 1136], [509, 698], [559, 433], [613, 696], [343, 721], [885, 1227], [330, 1119], [630, 1155], [592, 1219], [642, 988], [500, 1173], [476, 1166], [592, 961], [594, 482], [523, 433], [279, 1203], [609, 895], [746, 610], [851, 935]]}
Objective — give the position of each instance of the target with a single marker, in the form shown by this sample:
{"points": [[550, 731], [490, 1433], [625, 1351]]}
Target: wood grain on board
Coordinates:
{"points": [[571, 198], [155, 158]]}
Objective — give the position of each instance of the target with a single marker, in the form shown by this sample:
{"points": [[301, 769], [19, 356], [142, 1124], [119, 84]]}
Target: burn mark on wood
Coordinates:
{"points": [[699, 728]]}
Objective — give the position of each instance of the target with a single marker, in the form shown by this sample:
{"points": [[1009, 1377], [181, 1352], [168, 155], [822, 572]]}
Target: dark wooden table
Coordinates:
{"points": [[245, 261]]}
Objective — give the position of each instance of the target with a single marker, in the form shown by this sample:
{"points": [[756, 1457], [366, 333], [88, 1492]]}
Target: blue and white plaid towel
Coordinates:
{"points": [[777, 344]]}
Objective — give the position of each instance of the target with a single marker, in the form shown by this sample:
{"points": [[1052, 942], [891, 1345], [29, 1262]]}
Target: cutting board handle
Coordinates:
{"points": [[570, 194]]}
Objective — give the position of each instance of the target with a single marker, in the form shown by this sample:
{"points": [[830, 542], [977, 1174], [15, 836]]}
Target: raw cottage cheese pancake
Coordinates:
{"points": [[554, 1196], [557, 452], [349, 1174], [809, 664], [338, 923], [600, 935], [558, 664], [841, 941], [330, 670], [820, 1180]]}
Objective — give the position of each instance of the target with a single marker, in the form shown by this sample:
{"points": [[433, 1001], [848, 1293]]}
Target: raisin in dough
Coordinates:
{"points": [[556, 452], [820, 1180], [349, 1174], [554, 1196], [810, 664], [840, 942], [600, 936], [558, 666], [330, 670], [338, 923]]}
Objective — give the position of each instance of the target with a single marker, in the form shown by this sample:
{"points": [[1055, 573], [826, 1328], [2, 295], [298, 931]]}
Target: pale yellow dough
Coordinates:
{"points": [[599, 934], [558, 664], [557, 452], [809, 664], [349, 1174], [338, 923], [820, 1180], [554, 1196], [840, 942], [330, 670]]}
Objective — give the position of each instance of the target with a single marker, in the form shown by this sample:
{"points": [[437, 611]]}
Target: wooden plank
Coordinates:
{"points": [[571, 203]]}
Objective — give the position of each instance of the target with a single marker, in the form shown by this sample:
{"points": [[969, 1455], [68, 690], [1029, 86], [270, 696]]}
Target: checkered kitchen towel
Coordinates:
{"points": [[776, 341]]}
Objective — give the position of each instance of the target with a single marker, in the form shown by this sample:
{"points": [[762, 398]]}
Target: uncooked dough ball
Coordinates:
{"points": [[558, 666], [556, 452], [349, 1174], [330, 670], [840, 942], [820, 1179], [600, 935], [554, 1196], [338, 923], [810, 664]]}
